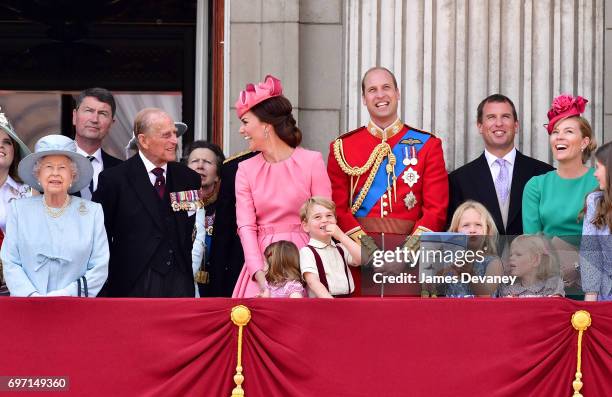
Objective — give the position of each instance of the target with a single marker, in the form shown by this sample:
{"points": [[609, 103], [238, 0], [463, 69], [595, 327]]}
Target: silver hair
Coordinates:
{"points": [[75, 170]]}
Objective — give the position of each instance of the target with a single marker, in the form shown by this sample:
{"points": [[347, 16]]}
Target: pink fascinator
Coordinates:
{"points": [[564, 106], [254, 94]]}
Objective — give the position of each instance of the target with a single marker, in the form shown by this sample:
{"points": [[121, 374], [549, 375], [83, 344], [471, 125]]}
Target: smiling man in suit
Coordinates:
{"points": [[148, 226], [496, 178], [93, 118]]}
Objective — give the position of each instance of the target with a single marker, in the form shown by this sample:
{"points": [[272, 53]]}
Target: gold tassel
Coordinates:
{"points": [[581, 320], [241, 315]]}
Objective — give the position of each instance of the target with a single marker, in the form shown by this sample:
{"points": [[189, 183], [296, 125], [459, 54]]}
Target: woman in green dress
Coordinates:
{"points": [[552, 202]]}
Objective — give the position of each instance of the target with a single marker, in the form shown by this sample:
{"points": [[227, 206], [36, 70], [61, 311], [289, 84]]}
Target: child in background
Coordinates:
{"points": [[283, 278], [473, 219], [535, 267], [323, 262], [596, 245]]}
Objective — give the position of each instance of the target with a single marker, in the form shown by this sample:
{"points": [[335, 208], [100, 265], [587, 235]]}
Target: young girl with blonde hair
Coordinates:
{"points": [[473, 219], [535, 267]]}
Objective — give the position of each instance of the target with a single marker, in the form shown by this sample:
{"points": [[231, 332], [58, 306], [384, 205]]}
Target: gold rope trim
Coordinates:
{"points": [[379, 153], [241, 315], [581, 320]]}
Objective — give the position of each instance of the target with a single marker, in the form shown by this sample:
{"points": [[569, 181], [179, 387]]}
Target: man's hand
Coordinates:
{"points": [[368, 246], [413, 241]]}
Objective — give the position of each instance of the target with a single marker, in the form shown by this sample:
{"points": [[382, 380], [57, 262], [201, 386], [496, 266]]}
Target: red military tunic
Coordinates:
{"points": [[398, 211], [430, 190]]}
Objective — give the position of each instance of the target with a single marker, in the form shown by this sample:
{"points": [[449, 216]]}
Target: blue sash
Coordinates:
{"points": [[379, 185]]}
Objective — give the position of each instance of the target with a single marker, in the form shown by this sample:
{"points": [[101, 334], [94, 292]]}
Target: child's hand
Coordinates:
{"points": [[265, 293], [333, 230]]}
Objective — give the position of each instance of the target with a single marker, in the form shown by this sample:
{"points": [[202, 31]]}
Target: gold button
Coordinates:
{"points": [[385, 204], [385, 195], [385, 213]]}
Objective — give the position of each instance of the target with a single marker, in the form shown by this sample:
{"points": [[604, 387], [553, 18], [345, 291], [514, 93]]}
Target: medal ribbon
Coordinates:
{"points": [[379, 185]]}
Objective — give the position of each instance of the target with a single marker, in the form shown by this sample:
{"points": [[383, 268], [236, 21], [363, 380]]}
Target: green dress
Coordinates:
{"points": [[551, 204]]}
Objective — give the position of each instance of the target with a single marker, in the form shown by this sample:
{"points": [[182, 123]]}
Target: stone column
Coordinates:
{"points": [[448, 55], [264, 39], [321, 71]]}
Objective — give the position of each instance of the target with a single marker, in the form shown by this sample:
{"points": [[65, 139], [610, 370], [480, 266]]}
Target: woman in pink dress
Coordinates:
{"points": [[271, 186]]}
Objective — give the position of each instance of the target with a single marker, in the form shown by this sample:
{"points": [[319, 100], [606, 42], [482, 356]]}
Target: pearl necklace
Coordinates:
{"points": [[56, 213]]}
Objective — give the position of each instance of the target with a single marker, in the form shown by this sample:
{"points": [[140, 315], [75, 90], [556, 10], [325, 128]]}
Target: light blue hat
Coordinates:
{"points": [[56, 145], [6, 126]]}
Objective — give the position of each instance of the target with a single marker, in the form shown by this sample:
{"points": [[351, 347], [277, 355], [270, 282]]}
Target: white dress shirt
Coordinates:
{"points": [[494, 167], [510, 158], [332, 264], [150, 166], [97, 165]]}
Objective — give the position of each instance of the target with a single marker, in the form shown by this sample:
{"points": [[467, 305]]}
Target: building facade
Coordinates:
{"points": [[447, 56]]}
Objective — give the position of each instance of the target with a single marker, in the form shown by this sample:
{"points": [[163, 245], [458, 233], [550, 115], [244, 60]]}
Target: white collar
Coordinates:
{"points": [[320, 244], [149, 165], [97, 154], [510, 157]]}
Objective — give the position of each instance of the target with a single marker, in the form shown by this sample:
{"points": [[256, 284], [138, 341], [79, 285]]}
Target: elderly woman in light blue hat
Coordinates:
{"points": [[55, 243]]}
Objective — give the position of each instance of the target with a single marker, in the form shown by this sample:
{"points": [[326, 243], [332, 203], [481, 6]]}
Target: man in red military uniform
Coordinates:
{"points": [[387, 177]]}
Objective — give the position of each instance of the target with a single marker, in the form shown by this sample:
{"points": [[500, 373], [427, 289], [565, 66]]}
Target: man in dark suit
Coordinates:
{"points": [[496, 178], [92, 119], [227, 256], [149, 228]]}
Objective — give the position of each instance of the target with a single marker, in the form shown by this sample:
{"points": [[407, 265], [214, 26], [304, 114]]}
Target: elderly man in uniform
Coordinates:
{"points": [[388, 179]]}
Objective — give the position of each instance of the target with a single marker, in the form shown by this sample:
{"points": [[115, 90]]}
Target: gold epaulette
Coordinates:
{"points": [[236, 155], [351, 132]]}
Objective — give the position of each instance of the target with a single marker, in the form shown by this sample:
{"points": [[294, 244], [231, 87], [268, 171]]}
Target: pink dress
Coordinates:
{"points": [[285, 290], [268, 201]]}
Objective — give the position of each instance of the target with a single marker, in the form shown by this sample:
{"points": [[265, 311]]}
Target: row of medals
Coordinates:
{"points": [[410, 176]]}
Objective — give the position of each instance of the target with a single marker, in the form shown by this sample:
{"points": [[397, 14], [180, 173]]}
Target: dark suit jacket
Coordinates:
{"points": [[473, 181], [109, 161], [143, 232], [226, 256]]}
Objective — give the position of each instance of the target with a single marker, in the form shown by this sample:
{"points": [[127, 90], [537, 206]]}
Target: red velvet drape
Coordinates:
{"points": [[308, 347]]}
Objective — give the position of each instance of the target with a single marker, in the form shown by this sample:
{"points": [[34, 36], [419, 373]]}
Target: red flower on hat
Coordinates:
{"points": [[565, 102], [562, 103], [563, 106]]}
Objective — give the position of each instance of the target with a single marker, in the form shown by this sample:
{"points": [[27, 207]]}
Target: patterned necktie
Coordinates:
{"points": [[160, 181], [502, 181]]}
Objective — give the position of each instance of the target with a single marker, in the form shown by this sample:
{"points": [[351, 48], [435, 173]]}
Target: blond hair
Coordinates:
{"points": [[537, 245], [311, 202], [490, 229], [283, 260]]}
